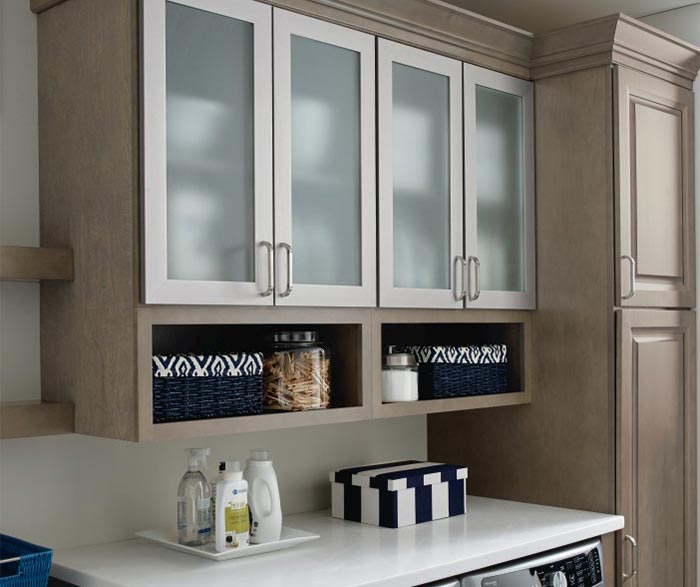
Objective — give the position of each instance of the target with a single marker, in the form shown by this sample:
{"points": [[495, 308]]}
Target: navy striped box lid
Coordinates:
{"points": [[399, 475]]}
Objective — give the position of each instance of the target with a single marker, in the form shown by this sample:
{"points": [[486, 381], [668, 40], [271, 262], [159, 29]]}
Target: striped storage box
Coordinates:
{"points": [[399, 494], [198, 387], [458, 371]]}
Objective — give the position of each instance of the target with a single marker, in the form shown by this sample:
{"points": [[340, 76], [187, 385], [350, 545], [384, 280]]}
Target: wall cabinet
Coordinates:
{"points": [[656, 451], [443, 244], [654, 192], [207, 152], [499, 190], [325, 197], [421, 262], [208, 157]]}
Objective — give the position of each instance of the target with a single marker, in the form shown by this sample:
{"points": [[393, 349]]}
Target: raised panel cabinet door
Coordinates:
{"points": [[207, 152], [421, 261], [656, 448], [655, 237], [499, 190], [325, 194]]}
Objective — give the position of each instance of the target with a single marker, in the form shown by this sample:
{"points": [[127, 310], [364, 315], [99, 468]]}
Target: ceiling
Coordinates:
{"points": [[537, 16]]}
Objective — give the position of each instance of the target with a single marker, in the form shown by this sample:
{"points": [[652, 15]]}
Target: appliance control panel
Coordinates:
{"points": [[581, 570], [580, 565]]}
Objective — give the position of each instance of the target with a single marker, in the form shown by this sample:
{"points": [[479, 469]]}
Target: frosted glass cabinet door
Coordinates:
{"points": [[499, 202], [207, 152], [420, 178], [324, 163]]}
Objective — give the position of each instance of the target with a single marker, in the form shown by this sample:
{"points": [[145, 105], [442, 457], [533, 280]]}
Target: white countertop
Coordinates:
{"points": [[348, 554]]}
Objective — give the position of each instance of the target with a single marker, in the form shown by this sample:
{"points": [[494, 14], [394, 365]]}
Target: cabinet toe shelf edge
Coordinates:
{"points": [[25, 419]]}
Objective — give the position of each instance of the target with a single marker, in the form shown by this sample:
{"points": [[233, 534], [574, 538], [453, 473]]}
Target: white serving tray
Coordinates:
{"points": [[290, 537]]}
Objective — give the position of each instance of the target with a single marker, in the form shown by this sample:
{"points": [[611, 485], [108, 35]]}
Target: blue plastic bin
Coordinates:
{"points": [[23, 564]]}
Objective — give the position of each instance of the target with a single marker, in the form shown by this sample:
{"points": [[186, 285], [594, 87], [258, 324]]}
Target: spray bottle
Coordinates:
{"points": [[194, 501]]}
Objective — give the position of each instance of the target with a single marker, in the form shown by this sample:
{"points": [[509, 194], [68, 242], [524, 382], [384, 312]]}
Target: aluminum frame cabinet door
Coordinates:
{"points": [[207, 152], [656, 447], [325, 184], [421, 261], [499, 162], [654, 170]]}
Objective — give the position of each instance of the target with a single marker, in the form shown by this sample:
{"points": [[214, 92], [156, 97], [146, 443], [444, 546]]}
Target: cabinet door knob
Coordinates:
{"points": [[635, 557], [477, 278], [270, 269], [462, 293], [290, 280], [633, 271]]}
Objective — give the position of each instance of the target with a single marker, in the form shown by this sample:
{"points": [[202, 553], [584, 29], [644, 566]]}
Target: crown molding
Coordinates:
{"points": [[436, 26], [432, 25], [615, 39]]}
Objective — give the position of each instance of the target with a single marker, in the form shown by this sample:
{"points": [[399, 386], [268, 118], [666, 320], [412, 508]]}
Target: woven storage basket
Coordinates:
{"points": [[459, 371], [31, 570], [200, 387]]}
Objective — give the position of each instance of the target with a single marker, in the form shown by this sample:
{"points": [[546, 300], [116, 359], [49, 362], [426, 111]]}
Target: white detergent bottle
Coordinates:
{"points": [[232, 514], [263, 497]]}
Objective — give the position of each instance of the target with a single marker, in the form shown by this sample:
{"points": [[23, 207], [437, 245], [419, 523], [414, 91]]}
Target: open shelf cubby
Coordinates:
{"points": [[427, 329], [251, 331]]}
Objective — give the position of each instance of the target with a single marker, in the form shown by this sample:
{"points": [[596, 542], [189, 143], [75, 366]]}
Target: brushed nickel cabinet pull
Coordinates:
{"points": [[460, 260], [477, 278], [290, 280], [633, 270], [270, 269], [635, 557]]}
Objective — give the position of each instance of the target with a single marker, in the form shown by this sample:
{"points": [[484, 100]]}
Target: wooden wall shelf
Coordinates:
{"points": [[35, 264], [25, 419]]}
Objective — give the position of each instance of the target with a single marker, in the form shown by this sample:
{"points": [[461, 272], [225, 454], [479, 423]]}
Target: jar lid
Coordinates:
{"points": [[399, 360], [295, 336]]}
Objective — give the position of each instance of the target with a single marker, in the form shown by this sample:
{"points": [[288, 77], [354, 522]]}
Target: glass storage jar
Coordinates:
{"points": [[399, 378], [297, 373]]}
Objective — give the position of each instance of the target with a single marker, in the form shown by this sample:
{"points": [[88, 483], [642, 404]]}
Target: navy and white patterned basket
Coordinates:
{"points": [[458, 371], [199, 387], [400, 493]]}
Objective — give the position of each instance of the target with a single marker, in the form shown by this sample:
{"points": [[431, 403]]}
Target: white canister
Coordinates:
{"points": [[399, 378]]}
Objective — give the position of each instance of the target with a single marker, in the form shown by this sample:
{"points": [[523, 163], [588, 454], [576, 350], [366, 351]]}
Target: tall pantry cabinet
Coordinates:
{"points": [[614, 425]]}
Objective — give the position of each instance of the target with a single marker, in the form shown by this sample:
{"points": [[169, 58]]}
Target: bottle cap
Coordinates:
{"points": [[232, 470], [259, 454]]}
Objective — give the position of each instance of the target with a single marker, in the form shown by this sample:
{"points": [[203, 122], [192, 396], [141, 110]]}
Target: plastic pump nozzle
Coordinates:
{"points": [[197, 458]]}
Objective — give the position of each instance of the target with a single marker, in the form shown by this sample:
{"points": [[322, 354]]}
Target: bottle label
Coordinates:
{"points": [[237, 519], [236, 523]]}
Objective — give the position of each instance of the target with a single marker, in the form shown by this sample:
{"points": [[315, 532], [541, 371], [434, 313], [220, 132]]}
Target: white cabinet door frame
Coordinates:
{"points": [[390, 295], [526, 299], [158, 288], [287, 24]]}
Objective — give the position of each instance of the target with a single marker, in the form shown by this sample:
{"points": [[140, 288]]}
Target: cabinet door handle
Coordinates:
{"points": [[462, 293], [270, 268], [477, 278], [635, 557], [633, 270], [290, 260]]}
